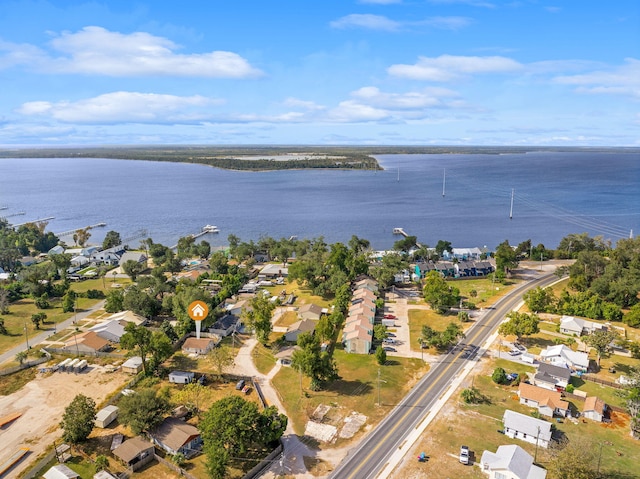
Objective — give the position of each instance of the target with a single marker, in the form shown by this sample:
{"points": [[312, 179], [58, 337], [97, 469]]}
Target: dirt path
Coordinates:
{"points": [[42, 402], [294, 448]]}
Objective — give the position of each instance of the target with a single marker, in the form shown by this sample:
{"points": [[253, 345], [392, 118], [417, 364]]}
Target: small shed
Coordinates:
{"points": [[594, 408], [106, 416], [60, 471], [132, 365], [181, 377]]}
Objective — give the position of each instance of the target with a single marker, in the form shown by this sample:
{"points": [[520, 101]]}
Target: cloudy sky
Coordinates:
{"points": [[387, 72]]}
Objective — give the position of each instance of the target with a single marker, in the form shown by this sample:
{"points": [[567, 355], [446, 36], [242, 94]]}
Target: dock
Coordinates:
{"points": [[402, 232], [39, 220], [208, 229], [90, 227]]}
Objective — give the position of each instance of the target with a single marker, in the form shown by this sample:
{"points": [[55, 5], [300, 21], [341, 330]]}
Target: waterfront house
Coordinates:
{"points": [[510, 462], [594, 409], [136, 256], [547, 402], [174, 436], [527, 428], [273, 271], [135, 453], [551, 377], [55, 250]]}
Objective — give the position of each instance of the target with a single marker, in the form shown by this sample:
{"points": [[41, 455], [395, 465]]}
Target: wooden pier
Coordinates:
{"points": [[205, 231], [90, 227], [39, 220], [402, 232]]}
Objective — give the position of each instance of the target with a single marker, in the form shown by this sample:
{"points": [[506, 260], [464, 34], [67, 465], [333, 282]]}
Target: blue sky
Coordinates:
{"points": [[321, 72]]}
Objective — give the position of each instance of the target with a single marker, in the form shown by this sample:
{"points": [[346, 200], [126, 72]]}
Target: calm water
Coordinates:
{"points": [[555, 194]]}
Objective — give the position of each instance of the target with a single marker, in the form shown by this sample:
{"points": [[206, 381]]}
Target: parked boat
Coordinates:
{"points": [[210, 229]]}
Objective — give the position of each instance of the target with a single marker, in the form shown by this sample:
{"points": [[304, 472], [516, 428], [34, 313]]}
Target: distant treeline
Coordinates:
{"points": [[347, 157], [227, 158]]}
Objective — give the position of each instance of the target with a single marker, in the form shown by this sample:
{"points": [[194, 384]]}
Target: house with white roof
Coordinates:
{"points": [[510, 462], [111, 330], [578, 326], [563, 356], [527, 428]]}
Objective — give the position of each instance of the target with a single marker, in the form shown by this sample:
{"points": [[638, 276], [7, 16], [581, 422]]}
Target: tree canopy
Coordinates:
{"points": [[438, 293], [520, 324], [143, 410], [77, 420]]}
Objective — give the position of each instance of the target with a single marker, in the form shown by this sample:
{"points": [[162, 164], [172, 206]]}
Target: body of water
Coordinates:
{"points": [[555, 194]]}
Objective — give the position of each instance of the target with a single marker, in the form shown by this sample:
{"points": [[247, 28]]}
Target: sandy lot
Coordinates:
{"points": [[42, 403]]}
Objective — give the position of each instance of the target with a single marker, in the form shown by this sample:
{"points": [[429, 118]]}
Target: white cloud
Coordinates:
{"points": [[97, 51], [447, 23], [366, 20], [449, 67], [371, 104], [378, 22], [125, 107], [621, 80], [307, 105]]}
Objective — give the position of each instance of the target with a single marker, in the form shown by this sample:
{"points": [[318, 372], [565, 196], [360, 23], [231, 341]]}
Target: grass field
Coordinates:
{"points": [[477, 426], [356, 390], [19, 316]]}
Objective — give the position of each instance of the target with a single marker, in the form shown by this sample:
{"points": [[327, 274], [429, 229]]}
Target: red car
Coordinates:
{"points": [[389, 316]]}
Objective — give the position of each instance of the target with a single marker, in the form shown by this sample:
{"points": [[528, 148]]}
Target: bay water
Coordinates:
{"points": [[554, 194]]}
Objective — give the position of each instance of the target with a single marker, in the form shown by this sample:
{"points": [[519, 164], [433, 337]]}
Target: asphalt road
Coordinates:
{"points": [[374, 451]]}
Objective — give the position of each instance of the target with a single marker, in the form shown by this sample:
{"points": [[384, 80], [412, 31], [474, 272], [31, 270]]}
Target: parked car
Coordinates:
{"points": [[512, 376], [246, 389], [514, 352], [240, 385], [519, 346], [464, 455], [389, 316], [388, 341], [389, 349]]}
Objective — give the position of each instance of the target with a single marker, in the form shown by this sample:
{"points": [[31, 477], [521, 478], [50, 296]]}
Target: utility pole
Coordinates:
{"points": [[379, 381], [26, 335], [535, 457]]}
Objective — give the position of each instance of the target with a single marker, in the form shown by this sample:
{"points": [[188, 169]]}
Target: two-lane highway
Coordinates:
{"points": [[374, 451]]}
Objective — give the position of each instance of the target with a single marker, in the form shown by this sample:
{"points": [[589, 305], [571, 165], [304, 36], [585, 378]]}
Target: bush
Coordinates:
{"points": [[469, 305], [570, 388], [95, 294], [499, 376]]}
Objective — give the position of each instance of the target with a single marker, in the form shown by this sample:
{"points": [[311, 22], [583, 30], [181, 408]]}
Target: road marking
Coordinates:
{"points": [[477, 331]]}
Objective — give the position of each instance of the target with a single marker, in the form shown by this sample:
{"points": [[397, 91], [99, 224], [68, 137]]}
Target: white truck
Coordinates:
{"points": [[464, 455]]}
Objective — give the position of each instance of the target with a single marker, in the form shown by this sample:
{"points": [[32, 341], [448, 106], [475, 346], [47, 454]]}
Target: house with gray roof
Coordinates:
{"points": [[135, 452], [551, 377], [510, 462], [527, 428]]}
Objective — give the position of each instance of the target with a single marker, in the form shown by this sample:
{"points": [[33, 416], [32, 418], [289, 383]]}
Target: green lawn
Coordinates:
{"points": [[356, 390], [263, 358], [422, 317], [477, 426]]}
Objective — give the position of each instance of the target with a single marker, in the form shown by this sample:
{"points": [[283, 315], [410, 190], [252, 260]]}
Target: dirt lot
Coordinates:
{"points": [[42, 403]]}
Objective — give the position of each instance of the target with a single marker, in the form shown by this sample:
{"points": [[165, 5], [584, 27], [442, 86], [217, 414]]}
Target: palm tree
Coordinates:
{"points": [[21, 357]]}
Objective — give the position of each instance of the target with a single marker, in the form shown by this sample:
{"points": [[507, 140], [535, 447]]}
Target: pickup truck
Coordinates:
{"points": [[464, 455]]}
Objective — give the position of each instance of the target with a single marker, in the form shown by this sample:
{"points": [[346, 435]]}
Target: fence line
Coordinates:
{"points": [[173, 466], [25, 365], [264, 464], [594, 379]]}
